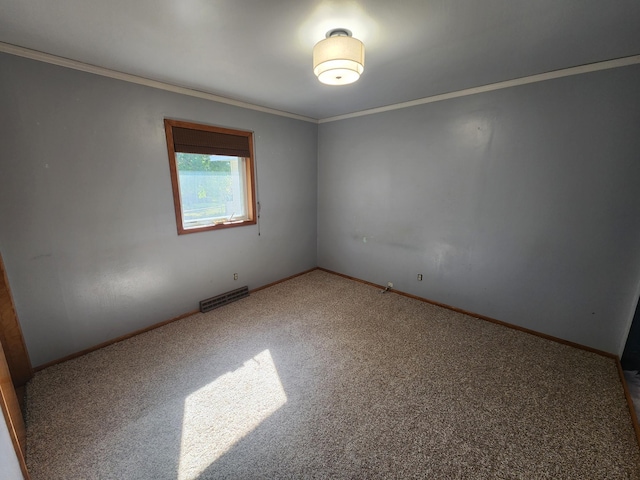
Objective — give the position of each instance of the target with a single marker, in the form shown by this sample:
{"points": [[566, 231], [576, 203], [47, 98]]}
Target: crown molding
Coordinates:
{"points": [[105, 72], [565, 72]]}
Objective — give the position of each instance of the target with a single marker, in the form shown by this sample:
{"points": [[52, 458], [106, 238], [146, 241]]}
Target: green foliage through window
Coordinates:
{"points": [[192, 162], [206, 185]]}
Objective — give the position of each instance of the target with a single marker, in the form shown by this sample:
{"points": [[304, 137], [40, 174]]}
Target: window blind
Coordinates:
{"points": [[187, 140]]}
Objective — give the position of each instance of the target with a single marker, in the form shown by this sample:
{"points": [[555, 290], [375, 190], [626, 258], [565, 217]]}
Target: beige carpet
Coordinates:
{"points": [[323, 377]]}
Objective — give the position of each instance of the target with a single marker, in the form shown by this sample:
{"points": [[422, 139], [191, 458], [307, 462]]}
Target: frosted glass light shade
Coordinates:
{"points": [[338, 60]]}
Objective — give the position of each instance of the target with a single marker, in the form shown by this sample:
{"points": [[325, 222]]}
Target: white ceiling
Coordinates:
{"points": [[260, 51]]}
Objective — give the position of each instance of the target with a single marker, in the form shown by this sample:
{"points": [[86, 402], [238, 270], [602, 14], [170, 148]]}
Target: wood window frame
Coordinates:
{"points": [[249, 175]]}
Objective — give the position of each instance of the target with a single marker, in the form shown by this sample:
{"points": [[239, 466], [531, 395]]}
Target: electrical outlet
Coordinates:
{"points": [[390, 284], [419, 277], [235, 276]]}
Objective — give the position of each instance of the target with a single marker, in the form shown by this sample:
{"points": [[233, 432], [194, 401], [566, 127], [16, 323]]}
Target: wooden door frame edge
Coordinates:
{"points": [[12, 430]]}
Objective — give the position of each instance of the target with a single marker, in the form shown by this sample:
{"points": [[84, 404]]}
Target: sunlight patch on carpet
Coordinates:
{"points": [[221, 413]]}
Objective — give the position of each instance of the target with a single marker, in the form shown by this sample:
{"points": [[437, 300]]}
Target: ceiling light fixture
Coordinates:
{"points": [[339, 58]]}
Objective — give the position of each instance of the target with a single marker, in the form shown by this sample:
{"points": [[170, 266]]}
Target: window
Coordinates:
{"points": [[212, 176]]}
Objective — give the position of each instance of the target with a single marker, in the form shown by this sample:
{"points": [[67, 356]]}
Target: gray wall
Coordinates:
{"points": [[88, 230], [520, 204]]}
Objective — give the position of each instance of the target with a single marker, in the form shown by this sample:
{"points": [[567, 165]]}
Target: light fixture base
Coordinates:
{"points": [[339, 32]]}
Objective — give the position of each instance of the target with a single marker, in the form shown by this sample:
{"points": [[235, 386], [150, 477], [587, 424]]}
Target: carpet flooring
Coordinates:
{"points": [[324, 377]]}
